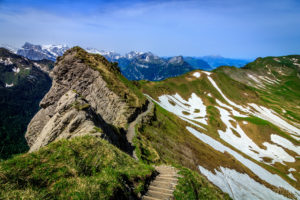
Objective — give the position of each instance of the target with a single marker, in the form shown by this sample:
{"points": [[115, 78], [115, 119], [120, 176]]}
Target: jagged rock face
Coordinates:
{"points": [[78, 101]]}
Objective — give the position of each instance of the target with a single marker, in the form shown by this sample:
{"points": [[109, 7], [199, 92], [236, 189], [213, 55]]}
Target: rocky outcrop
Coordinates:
{"points": [[80, 102]]}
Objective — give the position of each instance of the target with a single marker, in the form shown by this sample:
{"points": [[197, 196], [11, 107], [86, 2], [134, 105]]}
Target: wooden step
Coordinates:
{"points": [[168, 191], [169, 175], [150, 198], [169, 180], [164, 185], [159, 195]]}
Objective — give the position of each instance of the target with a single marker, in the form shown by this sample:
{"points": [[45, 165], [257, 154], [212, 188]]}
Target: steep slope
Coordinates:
{"points": [[88, 96], [22, 86], [227, 130], [80, 168]]}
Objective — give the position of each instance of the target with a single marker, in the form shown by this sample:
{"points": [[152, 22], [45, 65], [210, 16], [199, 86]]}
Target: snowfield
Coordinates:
{"points": [[223, 95], [260, 112], [233, 183], [272, 179], [269, 115], [191, 111], [246, 145], [285, 143]]}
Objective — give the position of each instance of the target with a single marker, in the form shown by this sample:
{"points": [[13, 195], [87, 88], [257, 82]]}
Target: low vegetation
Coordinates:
{"points": [[80, 168], [193, 186]]}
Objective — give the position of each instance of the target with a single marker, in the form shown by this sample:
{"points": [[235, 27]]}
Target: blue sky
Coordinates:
{"points": [[231, 28]]}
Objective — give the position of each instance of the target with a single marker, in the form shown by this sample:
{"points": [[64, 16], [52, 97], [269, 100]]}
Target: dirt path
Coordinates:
{"points": [[131, 128], [163, 186]]}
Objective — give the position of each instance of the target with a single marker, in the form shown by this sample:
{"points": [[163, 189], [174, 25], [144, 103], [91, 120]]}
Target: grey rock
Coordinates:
{"points": [[78, 101]]}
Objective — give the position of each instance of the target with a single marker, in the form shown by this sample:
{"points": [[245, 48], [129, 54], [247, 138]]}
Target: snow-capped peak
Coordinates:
{"points": [[133, 54], [9, 47], [111, 55]]}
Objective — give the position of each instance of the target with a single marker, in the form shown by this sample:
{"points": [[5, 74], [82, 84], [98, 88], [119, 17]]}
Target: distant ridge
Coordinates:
{"points": [[135, 65]]}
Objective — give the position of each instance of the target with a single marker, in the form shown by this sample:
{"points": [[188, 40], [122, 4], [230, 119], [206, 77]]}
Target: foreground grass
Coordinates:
{"points": [[192, 186], [80, 168]]}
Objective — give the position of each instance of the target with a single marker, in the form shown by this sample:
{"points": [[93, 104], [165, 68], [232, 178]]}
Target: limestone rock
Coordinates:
{"points": [[79, 102]]}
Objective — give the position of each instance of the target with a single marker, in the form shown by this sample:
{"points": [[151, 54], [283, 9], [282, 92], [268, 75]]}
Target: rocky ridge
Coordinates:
{"points": [[81, 101]]}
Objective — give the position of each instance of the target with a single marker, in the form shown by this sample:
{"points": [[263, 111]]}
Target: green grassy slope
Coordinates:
{"points": [[171, 142], [80, 168], [285, 95]]}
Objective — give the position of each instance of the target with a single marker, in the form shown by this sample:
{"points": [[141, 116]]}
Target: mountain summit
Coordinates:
{"points": [[88, 95]]}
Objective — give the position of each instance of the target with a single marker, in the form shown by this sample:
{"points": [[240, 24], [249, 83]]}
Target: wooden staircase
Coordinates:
{"points": [[163, 186]]}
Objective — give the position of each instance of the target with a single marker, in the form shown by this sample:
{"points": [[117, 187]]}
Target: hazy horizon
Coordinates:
{"points": [[233, 29]]}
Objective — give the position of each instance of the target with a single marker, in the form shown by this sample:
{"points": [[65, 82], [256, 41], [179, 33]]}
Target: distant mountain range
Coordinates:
{"points": [[39, 52], [135, 65], [217, 61]]}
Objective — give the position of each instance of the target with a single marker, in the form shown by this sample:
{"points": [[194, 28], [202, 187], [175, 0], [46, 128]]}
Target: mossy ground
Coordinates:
{"points": [[80, 168]]}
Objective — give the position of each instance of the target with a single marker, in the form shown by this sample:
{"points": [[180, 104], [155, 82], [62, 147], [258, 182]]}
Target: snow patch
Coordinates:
{"points": [[177, 105], [270, 116], [254, 78], [292, 170], [239, 185], [197, 74], [142, 66], [246, 145], [6, 62], [297, 64], [233, 111], [9, 85], [292, 177], [223, 95], [268, 80], [37, 65], [285, 143], [16, 69], [272, 179], [207, 73]]}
